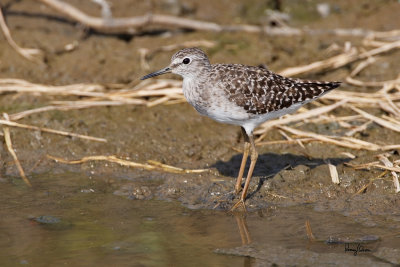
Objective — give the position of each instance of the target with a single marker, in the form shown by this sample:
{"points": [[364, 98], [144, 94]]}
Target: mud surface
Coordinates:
{"points": [[285, 175]]}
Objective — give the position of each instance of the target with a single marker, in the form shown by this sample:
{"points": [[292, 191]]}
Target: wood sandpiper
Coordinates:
{"points": [[241, 95]]}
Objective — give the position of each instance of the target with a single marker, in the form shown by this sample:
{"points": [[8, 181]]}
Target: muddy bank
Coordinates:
{"points": [[271, 255], [285, 175]]}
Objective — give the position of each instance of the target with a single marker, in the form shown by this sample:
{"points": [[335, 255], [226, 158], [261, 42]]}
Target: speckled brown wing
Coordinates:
{"points": [[260, 91]]}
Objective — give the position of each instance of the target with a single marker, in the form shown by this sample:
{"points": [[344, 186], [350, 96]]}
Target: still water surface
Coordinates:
{"points": [[68, 219]]}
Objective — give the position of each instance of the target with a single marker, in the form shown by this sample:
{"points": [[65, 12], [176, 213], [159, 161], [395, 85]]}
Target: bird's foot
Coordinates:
{"points": [[239, 203]]}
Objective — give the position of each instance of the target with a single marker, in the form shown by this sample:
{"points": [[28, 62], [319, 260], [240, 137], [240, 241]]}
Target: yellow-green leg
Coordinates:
{"points": [[253, 158], [244, 160]]}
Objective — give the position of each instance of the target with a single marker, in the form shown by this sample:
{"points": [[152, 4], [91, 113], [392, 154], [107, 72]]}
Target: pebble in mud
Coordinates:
{"points": [[46, 219], [133, 191], [51, 222]]}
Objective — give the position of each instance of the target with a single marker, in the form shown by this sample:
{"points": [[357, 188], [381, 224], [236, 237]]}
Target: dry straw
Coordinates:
{"points": [[378, 105], [151, 165]]}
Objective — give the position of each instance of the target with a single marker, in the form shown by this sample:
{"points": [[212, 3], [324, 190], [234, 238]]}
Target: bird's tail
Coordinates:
{"points": [[314, 89]]}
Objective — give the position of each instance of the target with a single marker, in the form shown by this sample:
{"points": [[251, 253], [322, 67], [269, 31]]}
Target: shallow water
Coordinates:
{"points": [[70, 219]]}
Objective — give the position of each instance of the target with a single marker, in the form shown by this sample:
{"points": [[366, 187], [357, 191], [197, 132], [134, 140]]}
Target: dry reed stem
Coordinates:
{"points": [[297, 117], [391, 119], [151, 165], [140, 93], [47, 130], [360, 99], [285, 142], [360, 128], [349, 155], [332, 118], [28, 53], [330, 63], [18, 85], [366, 166], [135, 96], [132, 25], [355, 82], [384, 167], [362, 65], [382, 122], [389, 164], [339, 60], [10, 148], [334, 174], [342, 141]]}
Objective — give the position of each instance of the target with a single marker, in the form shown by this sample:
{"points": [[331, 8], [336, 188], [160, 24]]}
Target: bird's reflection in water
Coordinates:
{"points": [[243, 228], [244, 235]]}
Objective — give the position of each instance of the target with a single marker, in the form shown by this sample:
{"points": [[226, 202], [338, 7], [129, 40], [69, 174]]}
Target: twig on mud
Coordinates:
{"points": [[362, 189], [388, 166], [175, 169], [151, 165], [105, 9], [31, 54], [10, 148], [47, 130]]}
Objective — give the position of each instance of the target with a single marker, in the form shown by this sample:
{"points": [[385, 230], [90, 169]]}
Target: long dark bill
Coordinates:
{"points": [[156, 73]]}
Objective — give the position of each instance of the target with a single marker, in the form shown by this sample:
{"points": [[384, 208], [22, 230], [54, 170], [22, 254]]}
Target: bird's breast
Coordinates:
{"points": [[213, 102], [197, 95]]}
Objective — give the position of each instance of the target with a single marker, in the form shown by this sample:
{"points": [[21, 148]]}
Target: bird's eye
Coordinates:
{"points": [[186, 60]]}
